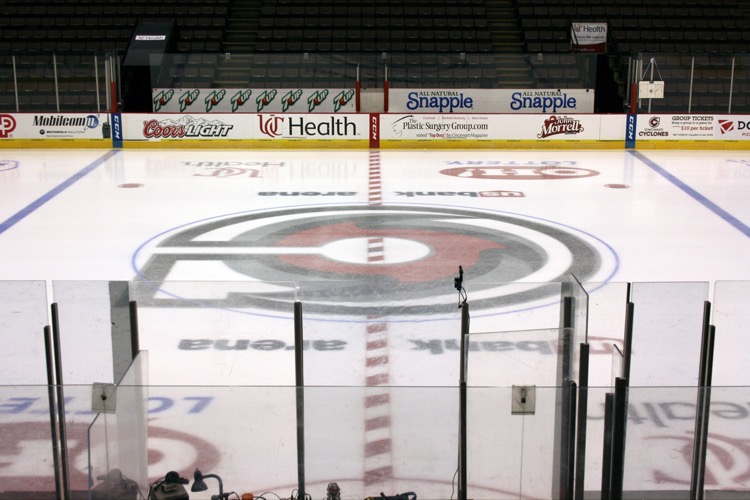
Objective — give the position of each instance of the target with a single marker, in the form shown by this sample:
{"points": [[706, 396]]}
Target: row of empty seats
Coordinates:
{"points": [[447, 26]]}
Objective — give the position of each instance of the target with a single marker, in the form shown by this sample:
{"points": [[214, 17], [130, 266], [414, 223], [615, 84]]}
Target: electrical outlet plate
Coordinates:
{"points": [[524, 400], [103, 398]]}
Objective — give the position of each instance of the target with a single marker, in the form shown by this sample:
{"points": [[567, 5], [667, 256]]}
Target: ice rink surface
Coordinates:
{"points": [[218, 243]]}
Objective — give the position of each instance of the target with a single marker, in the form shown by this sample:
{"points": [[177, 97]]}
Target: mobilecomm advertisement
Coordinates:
{"points": [[239, 100], [237, 130], [82, 129], [491, 101], [588, 37], [489, 130]]}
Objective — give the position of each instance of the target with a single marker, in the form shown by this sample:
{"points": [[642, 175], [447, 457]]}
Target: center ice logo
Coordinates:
{"points": [[420, 248]]}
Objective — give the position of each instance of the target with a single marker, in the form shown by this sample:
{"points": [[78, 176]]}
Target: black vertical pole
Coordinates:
{"points": [[609, 400], [463, 402], [583, 408], [619, 428], [562, 407], [48, 351], [627, 347], [696, 491], [700, 446], [571, 434], [135, 344], [60, 401], [299, 382]]}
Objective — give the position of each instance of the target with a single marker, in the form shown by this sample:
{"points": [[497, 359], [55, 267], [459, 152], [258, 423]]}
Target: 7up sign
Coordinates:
{"points": [[240, 100]]}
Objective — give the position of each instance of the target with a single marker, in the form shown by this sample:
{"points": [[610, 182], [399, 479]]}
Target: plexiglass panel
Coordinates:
{"points": [[728, 442], [378, 334], [84, 312], [217, 333], [667, 329], [391, 440], [26, 444], [118, 439], [539, 358], [731, 317], [606, 321], [660, 438], [23, 316]]}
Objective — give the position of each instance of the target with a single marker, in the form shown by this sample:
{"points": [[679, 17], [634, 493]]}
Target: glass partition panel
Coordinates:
{"points": [[595, 440], [267, 70], [712, 83], [697, 82], [667, 326], [7, 86], [580, 309], [606, 327], [209, 333], [391, 440], [84, 312], [728, 442], [497, 465], [379, 333], [117, 440], [675, 69], [23, 316], [26, 444], [48, 82], [529, 357], [740, 88], [617, 365], [536, 358], [659, 440], [245, 435], [731, 317], [422, 69], [514, 306], [369, 443]]}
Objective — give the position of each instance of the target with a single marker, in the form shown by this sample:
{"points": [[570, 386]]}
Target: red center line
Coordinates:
{"points": [[378, 458]]}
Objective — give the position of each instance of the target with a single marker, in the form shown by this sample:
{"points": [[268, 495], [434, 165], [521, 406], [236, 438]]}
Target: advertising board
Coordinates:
{"points": [[244, 100], [553, 130], [491, 101], [78, 130], [241, 130]]}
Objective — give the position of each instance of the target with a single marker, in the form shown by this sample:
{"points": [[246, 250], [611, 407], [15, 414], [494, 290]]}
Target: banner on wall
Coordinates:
{"points": [[66, 126], [491, 101], [246, 126], [588, 37], [554, 127], [692, 127], [335, 100]]}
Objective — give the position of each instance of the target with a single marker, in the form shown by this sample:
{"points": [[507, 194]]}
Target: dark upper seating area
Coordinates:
{"points": [[365, 26], [639, 25], [91, 25], [427, 43]]}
